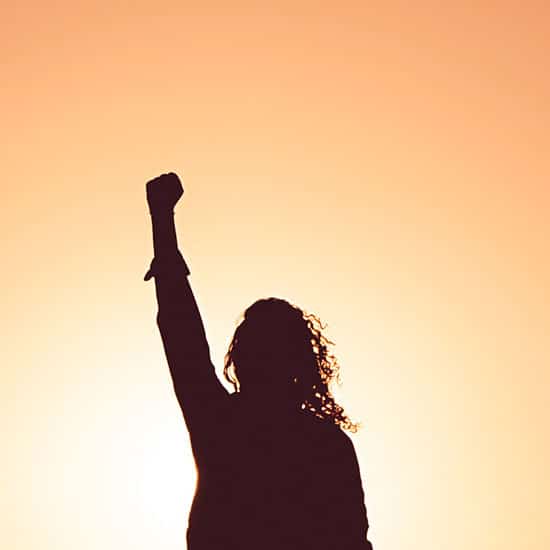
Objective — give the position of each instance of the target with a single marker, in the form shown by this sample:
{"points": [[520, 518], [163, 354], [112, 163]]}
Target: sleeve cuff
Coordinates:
{"points": [[174, 265]]}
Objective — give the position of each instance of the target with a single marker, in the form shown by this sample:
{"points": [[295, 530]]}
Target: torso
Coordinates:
{"points": [[262, 482]]}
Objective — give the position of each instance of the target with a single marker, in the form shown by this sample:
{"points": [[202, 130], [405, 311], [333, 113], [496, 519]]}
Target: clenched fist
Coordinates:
{"points": [[163, 193]]}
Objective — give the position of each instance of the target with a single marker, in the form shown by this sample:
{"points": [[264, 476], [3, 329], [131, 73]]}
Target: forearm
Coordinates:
{"points": [[165, 241]]}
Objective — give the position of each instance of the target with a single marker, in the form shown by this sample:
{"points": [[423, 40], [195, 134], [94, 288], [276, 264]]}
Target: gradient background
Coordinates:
{"points": [[382, 165]]}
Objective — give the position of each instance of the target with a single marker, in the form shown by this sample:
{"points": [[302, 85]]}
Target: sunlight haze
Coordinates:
{"points": [[384, 165]]}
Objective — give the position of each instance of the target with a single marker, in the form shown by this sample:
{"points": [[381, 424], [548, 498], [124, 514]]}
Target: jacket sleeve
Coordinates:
{"points": [[201, 396]]}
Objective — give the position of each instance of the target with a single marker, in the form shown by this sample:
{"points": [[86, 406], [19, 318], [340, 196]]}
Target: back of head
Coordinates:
{"points": [[279, 355]]}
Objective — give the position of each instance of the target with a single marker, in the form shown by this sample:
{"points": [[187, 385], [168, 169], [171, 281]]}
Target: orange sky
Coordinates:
{"points": [[384, 166]]}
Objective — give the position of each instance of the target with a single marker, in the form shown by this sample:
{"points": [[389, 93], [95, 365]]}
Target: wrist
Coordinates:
{"points": [[170, 265], [159, 213]]}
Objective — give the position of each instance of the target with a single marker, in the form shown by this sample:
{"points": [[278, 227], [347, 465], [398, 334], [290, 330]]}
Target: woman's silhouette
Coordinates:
{"points": [[275, 469]]}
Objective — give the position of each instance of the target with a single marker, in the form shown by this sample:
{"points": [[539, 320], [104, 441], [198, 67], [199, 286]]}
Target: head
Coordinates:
{"points": [[279, 356]]}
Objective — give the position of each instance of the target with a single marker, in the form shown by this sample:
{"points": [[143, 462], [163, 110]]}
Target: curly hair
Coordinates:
{"points": [[274, 327]]}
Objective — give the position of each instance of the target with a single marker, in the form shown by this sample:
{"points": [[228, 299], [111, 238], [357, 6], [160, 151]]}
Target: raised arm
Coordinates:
{"points": [[199, 392]]}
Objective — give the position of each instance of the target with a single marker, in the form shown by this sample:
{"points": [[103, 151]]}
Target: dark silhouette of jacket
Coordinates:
{"points": [[267, 479]]}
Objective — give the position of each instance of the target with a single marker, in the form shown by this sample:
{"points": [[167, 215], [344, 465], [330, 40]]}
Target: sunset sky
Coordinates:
{"points": [[385, 165]]}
